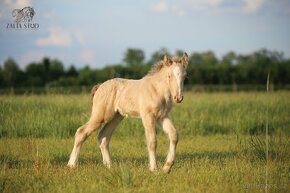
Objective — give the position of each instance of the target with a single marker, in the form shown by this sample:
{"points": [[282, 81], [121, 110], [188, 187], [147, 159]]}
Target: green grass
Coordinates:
{"points": [[203, 164], [221, 148], [200, 114]]}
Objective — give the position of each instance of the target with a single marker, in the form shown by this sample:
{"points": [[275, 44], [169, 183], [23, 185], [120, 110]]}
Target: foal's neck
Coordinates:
{"points": [[160, 82]]}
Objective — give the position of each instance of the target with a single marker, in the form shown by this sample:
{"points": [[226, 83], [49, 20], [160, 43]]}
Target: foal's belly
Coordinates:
{"points": [[127, 113], [127, 108]]}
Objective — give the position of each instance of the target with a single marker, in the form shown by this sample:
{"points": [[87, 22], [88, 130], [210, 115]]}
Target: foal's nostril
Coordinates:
{"points": [[181, 99]]}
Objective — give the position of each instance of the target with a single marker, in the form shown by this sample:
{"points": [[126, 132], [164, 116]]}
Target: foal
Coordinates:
{"points": [[149, 98]]}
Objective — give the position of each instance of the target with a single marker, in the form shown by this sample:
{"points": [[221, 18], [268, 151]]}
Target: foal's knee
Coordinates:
{"points": [[152, 144], [85, 131], [80, 134]]}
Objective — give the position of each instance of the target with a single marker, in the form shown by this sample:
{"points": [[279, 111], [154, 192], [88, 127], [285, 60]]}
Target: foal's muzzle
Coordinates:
{"points": [[178, 99]]}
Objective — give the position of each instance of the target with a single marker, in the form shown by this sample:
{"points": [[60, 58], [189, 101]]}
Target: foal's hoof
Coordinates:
{"points": [[108, 166], [167, 167], [71, 165], [154, 170], [166, 170]]}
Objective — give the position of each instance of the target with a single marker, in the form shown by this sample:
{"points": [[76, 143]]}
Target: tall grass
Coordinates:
{"points": [[277, 149], [200, 114]]}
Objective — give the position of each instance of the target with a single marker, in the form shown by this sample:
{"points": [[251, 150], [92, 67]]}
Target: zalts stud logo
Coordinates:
{"points": [[23, 19]]}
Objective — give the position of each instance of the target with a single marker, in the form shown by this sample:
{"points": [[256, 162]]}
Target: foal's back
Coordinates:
{"points": [[130, 98]]}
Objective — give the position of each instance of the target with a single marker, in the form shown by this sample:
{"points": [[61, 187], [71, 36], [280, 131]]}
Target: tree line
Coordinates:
{"points": [[203, 68]]}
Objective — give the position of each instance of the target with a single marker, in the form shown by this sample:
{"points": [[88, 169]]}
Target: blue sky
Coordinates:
{"points": [[98, 33]]}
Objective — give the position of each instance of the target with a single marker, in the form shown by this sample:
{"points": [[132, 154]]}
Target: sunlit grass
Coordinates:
{"points": [[221, 148], [203, 164]]}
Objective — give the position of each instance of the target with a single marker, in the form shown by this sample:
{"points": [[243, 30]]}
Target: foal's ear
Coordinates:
{"points": [[167, 59], [184, 59]]}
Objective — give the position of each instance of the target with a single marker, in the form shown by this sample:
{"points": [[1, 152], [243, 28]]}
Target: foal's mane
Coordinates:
{"points": [[160, 65]]}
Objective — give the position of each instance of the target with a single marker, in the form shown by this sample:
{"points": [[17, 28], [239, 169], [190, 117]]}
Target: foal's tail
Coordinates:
{"points": [[94, 89]]}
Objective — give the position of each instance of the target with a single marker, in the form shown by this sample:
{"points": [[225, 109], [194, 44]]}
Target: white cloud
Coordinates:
{"points": [[22, 3], [163, 6], [80, 38], [183, 7], [177, 10], [48, 15], [160, 7], [252, 6], [57, 37], [18, 4], [8, 5], [204, 4], [88, 56], [30, 56]]}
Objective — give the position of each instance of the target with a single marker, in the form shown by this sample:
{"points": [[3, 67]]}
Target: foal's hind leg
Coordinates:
{"points": [[105, 136], [81, 135]]}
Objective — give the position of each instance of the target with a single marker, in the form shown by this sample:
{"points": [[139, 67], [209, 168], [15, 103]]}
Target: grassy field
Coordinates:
{"points": [[221, 148], [200, 114]]}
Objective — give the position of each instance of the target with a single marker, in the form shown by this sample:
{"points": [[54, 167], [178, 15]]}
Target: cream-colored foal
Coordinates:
{"points": [[149, 98]]}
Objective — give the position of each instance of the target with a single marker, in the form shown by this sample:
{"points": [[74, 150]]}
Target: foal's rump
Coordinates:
{"points": [[103, 97], [93, 90]]}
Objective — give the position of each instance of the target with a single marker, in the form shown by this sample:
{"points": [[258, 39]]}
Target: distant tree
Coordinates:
{"points": [[68, 78], [72, 72], [1, 77], [195, 59], [46, 64], [229, 59], [157, 56], [226, 70], [203, 68], [179, 53], [194, 70], [11, 73], [209, 58], [134, 56], [56, 70], [283, 75], [87, 76], [36, 74]]}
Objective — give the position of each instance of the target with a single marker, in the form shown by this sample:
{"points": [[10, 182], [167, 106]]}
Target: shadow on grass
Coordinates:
{"points": [[59, 159], [15, 162], [211, 155], [143, 160], [62, 159]]}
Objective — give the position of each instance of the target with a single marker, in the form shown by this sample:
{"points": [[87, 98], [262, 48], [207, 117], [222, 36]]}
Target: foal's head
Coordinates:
{"points": [[176, 74]]}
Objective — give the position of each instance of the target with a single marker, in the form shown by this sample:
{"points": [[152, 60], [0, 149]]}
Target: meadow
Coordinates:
{"points": [[222, 146]]}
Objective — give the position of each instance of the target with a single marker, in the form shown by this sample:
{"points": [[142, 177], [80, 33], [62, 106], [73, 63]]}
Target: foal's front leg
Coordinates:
{"points": [[172, 133], [149, 125]]}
